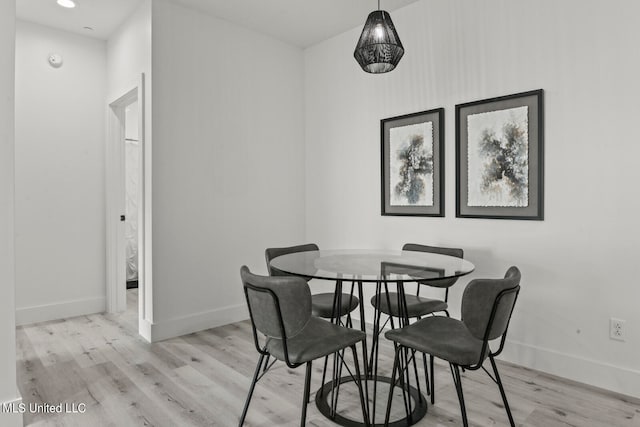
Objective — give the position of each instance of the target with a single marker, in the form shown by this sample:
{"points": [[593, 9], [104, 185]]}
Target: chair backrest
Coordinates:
{"points": [[438, 283], [279, 307], [272, 253], [487, 305]]}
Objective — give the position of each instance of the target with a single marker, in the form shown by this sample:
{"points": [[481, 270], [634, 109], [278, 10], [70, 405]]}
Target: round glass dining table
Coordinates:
{"points": [[377, 268], [371, 265]]}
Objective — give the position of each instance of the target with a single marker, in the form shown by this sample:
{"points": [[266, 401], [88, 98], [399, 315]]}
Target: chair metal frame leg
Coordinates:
{"points": [[433, 381], [336, 379], [457, 380], [324, 370], [307, 392], [349, 324], [504, 396], [376, 327], [403, 320], [365, 411], [335, 310], [426, 369], [427, 380], [349, 321], [252, 388], [396, 362], [363, 328], [415, 370]]}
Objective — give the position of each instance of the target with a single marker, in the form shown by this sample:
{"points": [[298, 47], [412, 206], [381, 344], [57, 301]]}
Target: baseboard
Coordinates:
{"points": [[197, 322], [60, 310], [10, 416], [144, 329], [602, 375]]}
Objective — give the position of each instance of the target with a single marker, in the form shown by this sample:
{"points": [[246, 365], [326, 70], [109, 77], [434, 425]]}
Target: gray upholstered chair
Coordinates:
{"points": [[283, 327], [487, 305], [321, 304], [417, 306]]}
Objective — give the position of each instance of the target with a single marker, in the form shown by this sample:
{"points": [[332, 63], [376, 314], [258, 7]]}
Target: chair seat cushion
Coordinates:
{"points": [[442, 337], [416, 306], [317, 339], [322, 304]]}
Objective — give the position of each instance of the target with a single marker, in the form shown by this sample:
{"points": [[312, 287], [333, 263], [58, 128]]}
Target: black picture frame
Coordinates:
{"points": [[436, 209], [497, 157]]}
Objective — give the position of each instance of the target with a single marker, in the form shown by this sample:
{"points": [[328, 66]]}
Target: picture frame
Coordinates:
{"points": [[500, 157], [412, 164]]}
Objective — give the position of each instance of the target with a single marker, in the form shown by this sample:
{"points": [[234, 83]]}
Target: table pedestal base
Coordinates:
{"points": [[419, 406]]}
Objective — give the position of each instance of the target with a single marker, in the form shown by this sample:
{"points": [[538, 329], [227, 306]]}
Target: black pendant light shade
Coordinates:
{"points": [[379, 49]]}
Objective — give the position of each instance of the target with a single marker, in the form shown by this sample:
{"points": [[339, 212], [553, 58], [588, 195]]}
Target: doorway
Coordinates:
{"points": [[125, 177], [132, 194]]}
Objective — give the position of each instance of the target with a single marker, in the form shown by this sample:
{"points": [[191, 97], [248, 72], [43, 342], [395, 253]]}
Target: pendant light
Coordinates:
{"points": [[379, 49]]}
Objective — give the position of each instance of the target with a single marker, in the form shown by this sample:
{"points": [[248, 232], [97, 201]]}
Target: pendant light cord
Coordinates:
{"points": [[378, 4]]}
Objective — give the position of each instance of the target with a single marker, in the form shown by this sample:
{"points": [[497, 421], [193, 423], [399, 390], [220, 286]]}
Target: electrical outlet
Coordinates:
{"points": [[617, 329]]}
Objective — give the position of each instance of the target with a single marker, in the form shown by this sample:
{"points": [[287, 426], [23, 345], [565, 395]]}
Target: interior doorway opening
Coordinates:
{"points": [[126, 207], [132, 194]]}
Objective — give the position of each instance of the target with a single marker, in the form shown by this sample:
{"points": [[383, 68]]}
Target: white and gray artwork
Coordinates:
{"points": [[411, 165], [498, 158]]}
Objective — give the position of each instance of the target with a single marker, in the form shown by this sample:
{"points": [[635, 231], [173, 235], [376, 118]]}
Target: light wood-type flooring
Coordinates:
{"points": [[202, 380]]}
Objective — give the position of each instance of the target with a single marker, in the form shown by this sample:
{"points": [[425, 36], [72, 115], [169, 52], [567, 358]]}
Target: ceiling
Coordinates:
{"points": [[297, 22], [104, 16]]}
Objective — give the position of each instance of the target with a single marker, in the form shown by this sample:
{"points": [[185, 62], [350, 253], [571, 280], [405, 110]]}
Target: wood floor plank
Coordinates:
{"points": [[46, 344], [228, 387], [125, 399], [78, 344]]}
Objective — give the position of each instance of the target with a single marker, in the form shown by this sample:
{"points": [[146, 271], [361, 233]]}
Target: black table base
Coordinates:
{"points": [[419, 406]]}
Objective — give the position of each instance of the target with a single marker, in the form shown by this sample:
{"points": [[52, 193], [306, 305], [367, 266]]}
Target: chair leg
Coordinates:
{"points": [[415, 371], [340, 362], [426, 374], [376, 332], [324, 370], [407, 380], [365, 415], [433, 381], [504, 396], [305, 399], [396, 362], [457, 380], [253, 386], [349, 320], [336, 383]]}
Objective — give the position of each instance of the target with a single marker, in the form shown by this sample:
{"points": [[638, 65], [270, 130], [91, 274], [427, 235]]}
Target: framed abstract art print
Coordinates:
{"points": [[499, 157], [412, 149]]}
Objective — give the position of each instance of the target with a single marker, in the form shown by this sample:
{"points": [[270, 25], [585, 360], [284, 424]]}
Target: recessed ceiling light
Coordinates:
{"points": [[69, 4]]}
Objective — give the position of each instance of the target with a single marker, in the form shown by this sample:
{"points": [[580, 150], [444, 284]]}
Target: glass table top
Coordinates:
{"points": [[369, 265]]}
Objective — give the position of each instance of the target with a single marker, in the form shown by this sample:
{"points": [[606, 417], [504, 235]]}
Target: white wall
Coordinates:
{"points": [[228, 159], [8, 388], [129, 53], [60, 255], [578, 264]]}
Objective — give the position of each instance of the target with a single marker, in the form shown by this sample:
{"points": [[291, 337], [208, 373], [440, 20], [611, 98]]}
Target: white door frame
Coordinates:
{"points": [[115, 203]]}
